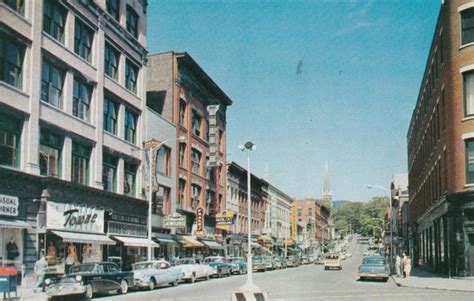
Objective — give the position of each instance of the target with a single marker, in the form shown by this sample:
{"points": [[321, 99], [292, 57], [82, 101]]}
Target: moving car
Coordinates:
{"points": [[374, 267], [192, 269], [219, 266], [86, 280], [258, 263], [238, 265], [149, 274], [332, 261]]}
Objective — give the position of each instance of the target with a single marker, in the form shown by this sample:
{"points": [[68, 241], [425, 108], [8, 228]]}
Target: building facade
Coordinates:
{"points": [[399, 197], [441, 148]]}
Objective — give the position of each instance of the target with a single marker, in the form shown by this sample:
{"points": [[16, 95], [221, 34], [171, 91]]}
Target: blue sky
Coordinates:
{"points": [[360, 62]]}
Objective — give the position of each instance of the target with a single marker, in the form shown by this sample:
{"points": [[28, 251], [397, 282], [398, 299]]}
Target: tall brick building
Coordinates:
{"points": [[441, 148]]}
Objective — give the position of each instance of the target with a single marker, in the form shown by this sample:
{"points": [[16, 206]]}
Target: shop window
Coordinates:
{"points": [[52, 81], [131, 76], [113, 8], [469, 161], [467, 26], [164, 161], [182, 112], [54, 19], [130, 171], [110, 116], [16, 5], [11, 248], [182, 154], [80, 163], [81, 100], [111, 61], [109, 172], [182, 189], [50, 154], [196, 123], [132, 22], [10, 134], [196, 162], [130, 126], [11, 62], [83, 37], [469, 215]]}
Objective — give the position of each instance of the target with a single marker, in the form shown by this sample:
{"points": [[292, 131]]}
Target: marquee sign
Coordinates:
{"points": [[9, 205], [74, 217], [224, 219], [200, 231]]}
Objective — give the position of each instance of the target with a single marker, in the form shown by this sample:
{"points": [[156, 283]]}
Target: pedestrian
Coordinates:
{"points": [[398, 262], [407, 266], [40, 269]]}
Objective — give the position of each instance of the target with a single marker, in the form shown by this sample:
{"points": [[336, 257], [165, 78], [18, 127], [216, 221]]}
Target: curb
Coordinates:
{"points": [[431, 288]]}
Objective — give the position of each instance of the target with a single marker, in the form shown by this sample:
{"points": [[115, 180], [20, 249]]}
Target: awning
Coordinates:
{"points": [[84, 238], [190, 242], [13, 224], [236, 237], [165, 238], [135, 241], [211, 244]]}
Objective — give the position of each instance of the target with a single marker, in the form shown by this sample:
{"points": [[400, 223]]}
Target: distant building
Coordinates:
{"points": [[399, 197]]}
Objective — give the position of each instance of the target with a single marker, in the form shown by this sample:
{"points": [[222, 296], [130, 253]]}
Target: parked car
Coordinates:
{"points": [[343, 255], [280, 262], [192, 269], [149, 274], [319, 259], [238, 265], [219, 266], [86, 280], [293, 261], [304, 259], [269, 263], [312, 258], [374, 267], [366, 253], [332, 261], [258, 263]]}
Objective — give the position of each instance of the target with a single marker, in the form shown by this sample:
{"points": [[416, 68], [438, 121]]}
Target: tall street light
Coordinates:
{"points": [[391, 216], [154, 146], [249, 286]]}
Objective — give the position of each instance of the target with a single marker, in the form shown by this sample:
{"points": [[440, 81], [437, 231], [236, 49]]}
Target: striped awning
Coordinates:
{"points": [[84, 238], [13, 224], [212, 244], [190, 242]]}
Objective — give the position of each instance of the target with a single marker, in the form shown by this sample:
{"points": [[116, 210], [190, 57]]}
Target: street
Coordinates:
{"points": [[307, 282]]}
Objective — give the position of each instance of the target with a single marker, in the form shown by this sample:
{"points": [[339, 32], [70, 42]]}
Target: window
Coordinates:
{"points": [[111, 61], [155, 100], [10, 132], [467, 21], [196, 196], [182, 189], [130, 171], [221, 143], [83, 40], [132, 22], [16, 5], [196, 123], [131, 75], [113, 8], [109, 172], [210, 201], [130, 126], [182, 112], [310, 211], [182, 154], [81, 100], [80, 163], [11, 62], [469, 161], [110, 116], [469, 93], [163, 163], [300, 211], [52, 81], [50, 154], [54, 19], [162, 200], [196, 159]]}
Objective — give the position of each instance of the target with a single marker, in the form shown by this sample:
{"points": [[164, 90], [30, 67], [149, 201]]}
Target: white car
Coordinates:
{"points": [[192, 269], [149, 274]]}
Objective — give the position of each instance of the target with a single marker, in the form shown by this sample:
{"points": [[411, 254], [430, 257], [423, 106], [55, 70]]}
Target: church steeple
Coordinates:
{"points": [[327, 194]]}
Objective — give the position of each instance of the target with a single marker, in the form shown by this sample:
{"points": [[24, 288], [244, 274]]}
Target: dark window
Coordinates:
{"points": [[182, 190], [80, 163], [113, 8], [52, 80], [83, 40], [182, 111], [111, 61], [130, 171], [469, 93], [196, 123], [132, 22], [163, 161], [109, 172], [470, 161], [54, 19], [110, 116], [50, 153], [182, 154], [10, 134], [196, 162], [195, 196], [11, 62], [155, 100], [131, 75], [81, 100], [16, 5], [467, 20], [130, 126]]}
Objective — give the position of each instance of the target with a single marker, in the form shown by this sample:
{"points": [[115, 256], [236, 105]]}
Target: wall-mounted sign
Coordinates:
{"points": [[128, 219], [74, 217], [200, 232], [9, 205], [224, 219], [174, 221]]}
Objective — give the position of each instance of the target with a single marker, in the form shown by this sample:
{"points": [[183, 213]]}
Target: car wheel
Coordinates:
{"points": [[89, 293], [229, 273], [219, 274], [193, 278], [123, 287], [151, 285], [208, 277], [175, 283]]}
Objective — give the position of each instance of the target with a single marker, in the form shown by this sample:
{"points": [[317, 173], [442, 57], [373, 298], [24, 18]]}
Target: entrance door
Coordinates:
{"points": [[471, 253]]}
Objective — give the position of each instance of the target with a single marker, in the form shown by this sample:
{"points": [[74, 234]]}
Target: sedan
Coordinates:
{"points": [[258, 263], [149, 274], [219, 266], [238, 265], [374, 267]]}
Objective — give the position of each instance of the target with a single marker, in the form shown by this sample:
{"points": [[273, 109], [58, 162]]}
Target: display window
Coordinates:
{"points": [[11, 246]]}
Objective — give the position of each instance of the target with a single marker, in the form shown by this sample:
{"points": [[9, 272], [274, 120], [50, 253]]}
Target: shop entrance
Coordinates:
{"points": [[471, 254]]}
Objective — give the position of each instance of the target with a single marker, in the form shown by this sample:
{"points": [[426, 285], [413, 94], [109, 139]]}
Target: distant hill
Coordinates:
{"points": [[337, 204]]}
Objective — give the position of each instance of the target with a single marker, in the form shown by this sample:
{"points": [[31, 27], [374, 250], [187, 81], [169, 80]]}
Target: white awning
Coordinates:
{"points": [[13, 224], [211, 244], [135, 241], [84, 238]]}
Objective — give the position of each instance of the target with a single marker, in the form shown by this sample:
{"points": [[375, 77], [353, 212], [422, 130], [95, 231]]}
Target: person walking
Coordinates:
{"points": [[407, 266], [398, 262], [40, 269]]}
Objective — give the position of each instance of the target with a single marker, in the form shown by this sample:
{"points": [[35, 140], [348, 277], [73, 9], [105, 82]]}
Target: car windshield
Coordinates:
{"points": [[213, 259], [374, 261], [185, 261], [86, 268], [142, 266]]}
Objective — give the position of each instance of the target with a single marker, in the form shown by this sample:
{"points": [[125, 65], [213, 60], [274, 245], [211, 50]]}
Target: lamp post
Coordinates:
{"points": [[249, 286], [152, 146], [391, 213]]}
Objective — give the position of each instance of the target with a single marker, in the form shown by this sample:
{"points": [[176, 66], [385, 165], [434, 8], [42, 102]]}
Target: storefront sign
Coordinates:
{"points": [[126, 229], [174, 221], [128, 219], [224, 219], [74, 217], [200, 222], [9, 205]]}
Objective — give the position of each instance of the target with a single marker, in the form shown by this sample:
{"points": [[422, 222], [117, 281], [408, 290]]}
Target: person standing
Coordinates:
{"points": [[398, 262], [407, 266], [41, 267]]}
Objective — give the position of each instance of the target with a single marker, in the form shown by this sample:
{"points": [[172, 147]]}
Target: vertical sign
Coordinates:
{"points": [[213, 109], [200, 221]]}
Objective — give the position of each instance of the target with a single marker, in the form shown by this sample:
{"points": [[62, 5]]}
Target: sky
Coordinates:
{"points": [[311, 81]]}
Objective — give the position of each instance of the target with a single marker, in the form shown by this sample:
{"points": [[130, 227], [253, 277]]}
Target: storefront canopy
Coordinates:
{"points": [[165, 238], [135, 241], [84, 238], [190, 242], [13, 224], [212, 244]]}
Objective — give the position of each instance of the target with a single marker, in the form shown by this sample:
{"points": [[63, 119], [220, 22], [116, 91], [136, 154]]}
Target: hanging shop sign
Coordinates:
{"points": [[175, 220], [9, 205], [200, 231], [74, 217], [224, 219]]}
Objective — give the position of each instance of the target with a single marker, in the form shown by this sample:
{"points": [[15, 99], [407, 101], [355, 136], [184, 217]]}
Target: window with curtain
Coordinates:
{"points": [[469, 161], [81, 100], [181, 191], [54, 19], [11, 62], [196, 123], [182, 111], [131, 75], [469, 93], [130, 126], [52, 82], [10, 134], [109, 172], [467, 26], [83, 36], [110, 116], [16, 5], [50, 153], [163, 164], [113, 8], [130, 171], [111, 61], [182, 154], [132, 21], [196, 161], [195, 196], [80, 163]]}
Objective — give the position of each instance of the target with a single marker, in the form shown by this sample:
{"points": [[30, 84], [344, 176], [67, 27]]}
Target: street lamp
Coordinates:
{"points": [[249, 286], [391, 213], [153, 146]]}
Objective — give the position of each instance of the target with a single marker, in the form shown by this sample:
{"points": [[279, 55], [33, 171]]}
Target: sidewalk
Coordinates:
{"points": [[26, 292], [422, 279]]}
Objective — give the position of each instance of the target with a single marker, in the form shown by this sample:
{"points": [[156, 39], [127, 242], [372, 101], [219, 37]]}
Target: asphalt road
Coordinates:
{"points": [[308, 282]]}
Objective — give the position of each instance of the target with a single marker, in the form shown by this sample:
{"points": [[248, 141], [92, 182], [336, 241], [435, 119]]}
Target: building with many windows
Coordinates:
{"points": [[71, 128], [441, 148]]}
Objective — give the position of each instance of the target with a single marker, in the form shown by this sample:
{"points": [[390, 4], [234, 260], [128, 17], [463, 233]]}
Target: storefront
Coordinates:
{"points": [[234, 245], [169, 246], [212, 248]]}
